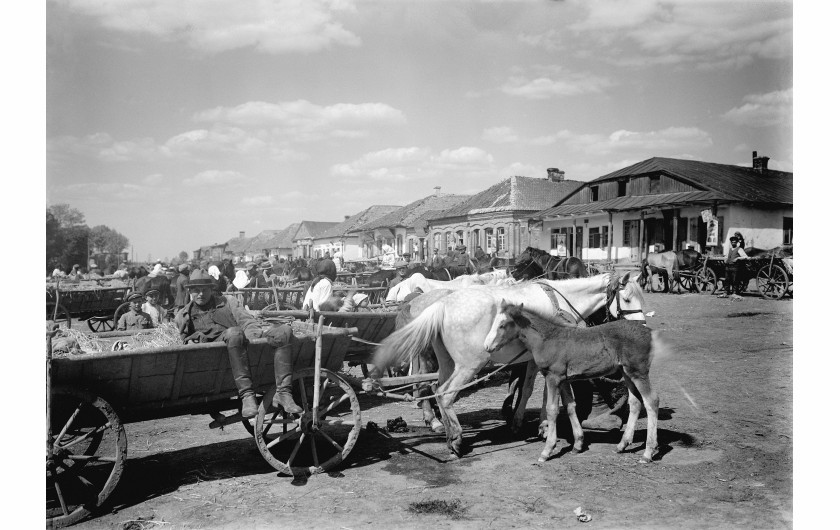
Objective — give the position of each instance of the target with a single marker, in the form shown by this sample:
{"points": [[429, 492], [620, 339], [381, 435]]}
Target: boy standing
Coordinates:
{"points": [[153, 308]]}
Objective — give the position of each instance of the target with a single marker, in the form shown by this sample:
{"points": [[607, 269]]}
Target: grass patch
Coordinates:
{"points": [[453, 509]]}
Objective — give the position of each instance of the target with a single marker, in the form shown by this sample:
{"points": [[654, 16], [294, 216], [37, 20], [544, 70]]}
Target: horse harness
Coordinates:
{"points": [[612, 292]]}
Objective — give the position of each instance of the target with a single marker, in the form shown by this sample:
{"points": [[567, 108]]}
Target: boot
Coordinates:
{"points": [[283, 367], [241, 371]]}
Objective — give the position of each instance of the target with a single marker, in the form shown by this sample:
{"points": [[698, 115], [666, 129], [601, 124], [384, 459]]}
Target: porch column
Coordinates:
{"points": [[642, 238], [674, 227], [610, 236]]}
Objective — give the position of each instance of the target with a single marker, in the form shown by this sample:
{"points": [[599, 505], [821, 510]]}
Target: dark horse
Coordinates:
{"points": [[668, 265], [489, 264], [533, 263]]}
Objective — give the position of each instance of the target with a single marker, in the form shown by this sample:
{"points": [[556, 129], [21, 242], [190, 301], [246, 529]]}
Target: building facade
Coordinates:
{"points": [[343, 237]]}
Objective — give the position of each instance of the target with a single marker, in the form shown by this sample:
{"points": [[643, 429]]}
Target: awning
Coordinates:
{"points": [[635, 203]]}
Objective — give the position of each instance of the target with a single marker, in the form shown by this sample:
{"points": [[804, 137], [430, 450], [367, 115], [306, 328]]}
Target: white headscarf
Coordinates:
{"points": [[241, 279], [157, 270], [214, 272]]}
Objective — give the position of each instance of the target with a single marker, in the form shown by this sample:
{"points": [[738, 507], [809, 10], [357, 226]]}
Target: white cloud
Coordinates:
{"points": [[153, 179], [105, 148], [215, 176], [545, 87], [763, 110], [260, 200], [212, 26], [414, 163], [371, 164], [463, 156], [302, 120], [499, 135]]}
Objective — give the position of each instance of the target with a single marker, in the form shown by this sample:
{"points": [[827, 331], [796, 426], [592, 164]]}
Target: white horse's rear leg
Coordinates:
{"points": [[552, 407], [448, 396]]}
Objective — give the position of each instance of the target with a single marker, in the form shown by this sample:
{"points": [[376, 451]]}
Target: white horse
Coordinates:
{"points": [[458, 324], [566, 353], [418, 281]]}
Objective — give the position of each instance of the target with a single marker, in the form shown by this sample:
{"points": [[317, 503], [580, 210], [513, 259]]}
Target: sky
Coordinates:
{"points": [[180, 123]]}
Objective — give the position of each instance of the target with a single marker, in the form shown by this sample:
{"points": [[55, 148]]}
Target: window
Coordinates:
{"points": [[787, 230], [630, 237], [488, 238], [436, 240], [598, 236], [622, 188], [605, 237], [459, 237], [500, 236], [448, 241], [557, 238], [654, 184], [593, 194]]}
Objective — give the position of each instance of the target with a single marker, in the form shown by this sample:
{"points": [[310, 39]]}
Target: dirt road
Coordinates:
{"points": [[725, 437]]}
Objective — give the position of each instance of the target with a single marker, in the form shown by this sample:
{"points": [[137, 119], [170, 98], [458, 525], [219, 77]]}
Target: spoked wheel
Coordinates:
{"points": [[772, 282], [706, 281], [86, 455], [301, 444], [58, 314], [97, 324], [687, 282], [121, 310]]}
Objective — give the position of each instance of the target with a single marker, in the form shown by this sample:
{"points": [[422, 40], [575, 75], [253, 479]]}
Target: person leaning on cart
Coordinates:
{"points": [[209, 318], [733, 257]]}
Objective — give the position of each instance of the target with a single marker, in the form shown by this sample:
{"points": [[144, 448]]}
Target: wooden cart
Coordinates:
{"points": [[291, 298], [96, 305], [772, 271], [91, 396]]}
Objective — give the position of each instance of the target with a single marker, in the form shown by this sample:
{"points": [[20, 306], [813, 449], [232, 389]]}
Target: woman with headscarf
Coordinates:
{"points": [[220, 280], [320, 290]]}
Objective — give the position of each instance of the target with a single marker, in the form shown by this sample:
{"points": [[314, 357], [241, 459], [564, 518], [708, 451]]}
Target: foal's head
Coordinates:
{"points": [[506, 325]]}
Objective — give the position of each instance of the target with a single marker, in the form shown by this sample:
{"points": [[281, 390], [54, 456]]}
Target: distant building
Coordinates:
{"points": [[669, 204], [341, 236], [498, 216], [306, 233]]}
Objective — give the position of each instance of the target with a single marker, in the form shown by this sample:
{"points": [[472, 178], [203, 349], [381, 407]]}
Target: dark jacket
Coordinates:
{"points": [[181, 294], [225, 316]]}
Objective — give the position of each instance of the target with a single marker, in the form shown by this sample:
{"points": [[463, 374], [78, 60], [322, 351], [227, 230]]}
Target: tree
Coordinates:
{"points": [[108, 241], [55, 243], [183, 256], [66, 216]]}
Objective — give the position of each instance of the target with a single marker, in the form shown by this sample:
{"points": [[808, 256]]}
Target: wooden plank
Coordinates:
{"points": [[179, 376]]}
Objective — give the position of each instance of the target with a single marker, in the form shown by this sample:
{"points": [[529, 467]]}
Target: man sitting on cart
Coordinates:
{"points": [[209, 318]]}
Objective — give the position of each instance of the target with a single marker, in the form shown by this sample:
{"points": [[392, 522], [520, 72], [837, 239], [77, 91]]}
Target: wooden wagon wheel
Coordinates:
{"points": [[62, 316], [121, 310], [97, 324], [707, 281], [688, 281], [86, 455], [772, 282], [299, 445]]}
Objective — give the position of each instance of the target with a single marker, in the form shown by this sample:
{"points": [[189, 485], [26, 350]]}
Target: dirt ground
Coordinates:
{"points": [[726, 460]]}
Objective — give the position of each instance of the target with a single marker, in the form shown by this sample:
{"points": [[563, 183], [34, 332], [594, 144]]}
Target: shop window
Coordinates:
{"points": [[787, 230], [630, 236]]}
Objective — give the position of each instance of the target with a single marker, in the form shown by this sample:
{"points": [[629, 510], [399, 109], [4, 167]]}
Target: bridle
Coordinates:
{"points": [[612, 294]]}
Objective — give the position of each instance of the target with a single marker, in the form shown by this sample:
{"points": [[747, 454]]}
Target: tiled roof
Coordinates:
{"points": [[734, 182], [514, 194], [407, 215], [281, 239], [309, 229], [238, 244], [367, 215], [626, 203]]}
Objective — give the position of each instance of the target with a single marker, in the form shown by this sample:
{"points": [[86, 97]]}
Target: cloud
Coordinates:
{"points": [[215, 176], [153, 179], [105, 148], [302, 120], [764, 110], [642, 33], [261, 200], [575, 84], [499, 135], [414, 163], [213, 26]]}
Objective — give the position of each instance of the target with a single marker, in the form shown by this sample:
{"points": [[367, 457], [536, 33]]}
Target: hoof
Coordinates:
{"points": [[620, 448], [541, 460], [577, 451], [437, 426], [645, 460]]}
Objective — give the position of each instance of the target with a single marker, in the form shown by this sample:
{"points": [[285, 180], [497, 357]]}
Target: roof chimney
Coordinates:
{"points": [[760, 162], [437, 190], [555, 175], [346, 217], [242, 233]]}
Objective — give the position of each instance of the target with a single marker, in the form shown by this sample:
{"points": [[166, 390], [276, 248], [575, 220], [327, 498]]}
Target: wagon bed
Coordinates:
{"points": [[95, 305]]}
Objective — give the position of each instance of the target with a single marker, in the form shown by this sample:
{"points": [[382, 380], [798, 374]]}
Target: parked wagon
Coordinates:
{"points": [[291, 298], [772, 271], [92, 303], [91, 396]]}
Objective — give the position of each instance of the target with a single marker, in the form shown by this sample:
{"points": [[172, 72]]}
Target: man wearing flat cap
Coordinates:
{"points": [[460, 261], [209, 318], [402, 273], [733, 259]]}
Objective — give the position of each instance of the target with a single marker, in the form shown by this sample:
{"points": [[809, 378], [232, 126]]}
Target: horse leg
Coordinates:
{"points": [[429, 416], [517, 374], [635, 408], [642, 391], [526, 388], [568, 397], [552, 407]]}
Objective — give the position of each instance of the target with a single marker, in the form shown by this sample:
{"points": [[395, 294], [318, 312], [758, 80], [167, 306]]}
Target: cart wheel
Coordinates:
{"points": [[97, 324], [86, 456], [283, 438], [772, 282], [687, 282], [121, 310], [706, 281], [62, 316]]}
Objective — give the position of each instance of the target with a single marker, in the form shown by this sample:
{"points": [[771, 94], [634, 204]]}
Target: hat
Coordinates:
{"points": [[436, 250], [199, 278], [265, 265], [400, 263], [134, 296], [183, 267], [737, 235], [152, 292], [461, 247], [251, 265]]}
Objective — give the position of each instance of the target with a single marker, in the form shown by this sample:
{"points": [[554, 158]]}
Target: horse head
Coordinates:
{"points": [[505, 327], [625, 298]]}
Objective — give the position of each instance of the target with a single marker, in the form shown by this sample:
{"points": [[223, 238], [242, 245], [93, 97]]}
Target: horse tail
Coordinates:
{"points": [[660, 349], [642, 279], [411, 340]]}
